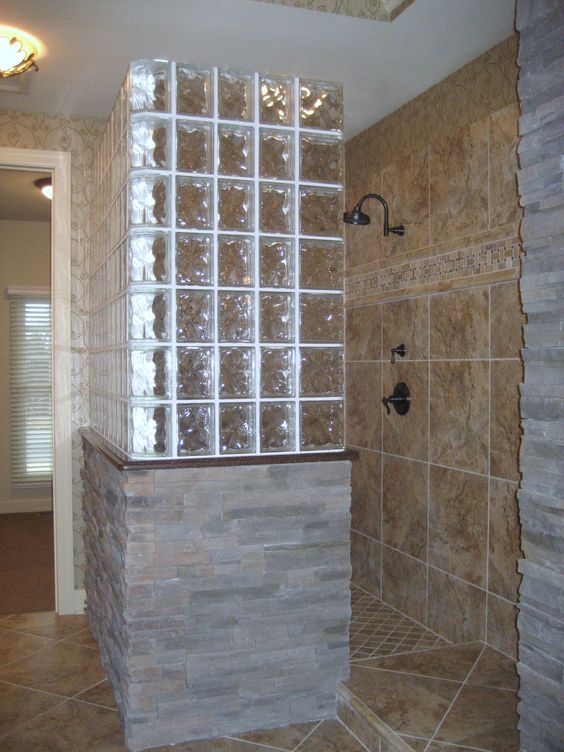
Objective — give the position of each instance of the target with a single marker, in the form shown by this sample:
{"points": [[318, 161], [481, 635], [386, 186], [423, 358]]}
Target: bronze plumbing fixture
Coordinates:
{"points": [[400, 399], [399, 350], [358, 217]]}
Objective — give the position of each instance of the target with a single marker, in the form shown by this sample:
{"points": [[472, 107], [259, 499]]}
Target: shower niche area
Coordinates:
{"points": [[216, 487]]}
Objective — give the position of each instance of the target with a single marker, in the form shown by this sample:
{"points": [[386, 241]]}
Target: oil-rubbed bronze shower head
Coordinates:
{"points": [[358, 217]]}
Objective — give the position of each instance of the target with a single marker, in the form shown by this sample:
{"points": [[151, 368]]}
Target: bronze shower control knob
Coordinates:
{"points": [[400, 399]]}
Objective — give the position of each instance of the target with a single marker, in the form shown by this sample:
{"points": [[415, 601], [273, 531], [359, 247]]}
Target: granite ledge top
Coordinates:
{"points": [[96, 441]]}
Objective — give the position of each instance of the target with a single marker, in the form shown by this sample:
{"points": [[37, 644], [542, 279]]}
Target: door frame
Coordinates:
{"points": [[67, 600]]}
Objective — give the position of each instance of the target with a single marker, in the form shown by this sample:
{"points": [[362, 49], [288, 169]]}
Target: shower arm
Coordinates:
{"points": [[398, 230]]}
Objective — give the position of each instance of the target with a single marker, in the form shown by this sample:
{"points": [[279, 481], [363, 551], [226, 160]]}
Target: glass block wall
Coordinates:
{"points": [[216, 265]]}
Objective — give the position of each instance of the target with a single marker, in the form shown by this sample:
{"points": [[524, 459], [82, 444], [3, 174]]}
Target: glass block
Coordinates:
{"points": [[321, 372], [149, 86], [194, 91], [235, 205], [148, 200], [321, 318], [194, 203], [321, 158], [236, 372], [321, 211], [149, 373], [276, 208], [149, 430], [277, 372], [276, 100], [235, 95], [237, 428], [150, 143], [235, 317], [195, 430], [321, 264], [235, 150], [194, 147], [321, 426], [276, 262], [236, 255], [194, 316], [149, 256], [277, 427], [194, 373], [321, 105], [149, 315], [194, 259], [276, 317], [276, 154]]}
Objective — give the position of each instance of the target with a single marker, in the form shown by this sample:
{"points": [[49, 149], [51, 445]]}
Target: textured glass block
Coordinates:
{"points": [[149, 315], [149, 256], [149, 86], [236, 372], [235, 95], [236, 321], [236, 255], [194, 203], [237, 428], [276, 208], [149, 430], [321, 158], [150, 143], [194, 259], [235, 150], [148, 200], [194, 373], [277, 427], [235, 205], [276, 262], [194, 147], [194, 316], [321, 318], [321, 426], [276, 317], [321, 372], [277, 372], [149, 373], [321, 211], [276, 154], [276, 97], [195, 430], [194, 91], [321, 264], [321, 105]]}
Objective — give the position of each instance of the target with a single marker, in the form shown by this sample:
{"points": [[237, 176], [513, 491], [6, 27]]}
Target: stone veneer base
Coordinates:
{"points": [[219, 596]]}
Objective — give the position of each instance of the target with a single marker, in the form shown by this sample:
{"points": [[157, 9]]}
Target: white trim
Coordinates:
{"points": [[59, 163], [28, 292], [79, 601], [21, 505]]}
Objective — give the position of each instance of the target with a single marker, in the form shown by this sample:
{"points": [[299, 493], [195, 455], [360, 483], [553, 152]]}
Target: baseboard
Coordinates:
{"points": [[18, 506]]}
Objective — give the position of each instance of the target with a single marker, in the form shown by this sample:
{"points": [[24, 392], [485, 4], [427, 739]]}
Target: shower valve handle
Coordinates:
{"points": [[400, 399], [399, 350]]}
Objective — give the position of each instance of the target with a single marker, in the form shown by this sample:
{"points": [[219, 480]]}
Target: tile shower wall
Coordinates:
{"points": [[216, 265], [434, 515]]}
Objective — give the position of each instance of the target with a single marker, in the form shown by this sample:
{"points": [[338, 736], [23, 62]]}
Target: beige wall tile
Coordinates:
{"points": [[363, 244], [459, 415], [505, 428], [458, 523], [505, 539], [404, 583], [460, 324], [365, 561], [456, 609], [366, 493], [504, 137], [407, 435], [507, 321], [404, 520], [363, 403], [364, 333], [502, 625], [406, 322]]}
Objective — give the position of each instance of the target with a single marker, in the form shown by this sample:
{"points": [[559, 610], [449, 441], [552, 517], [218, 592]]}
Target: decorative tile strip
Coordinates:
{"points": [[486, 258]]}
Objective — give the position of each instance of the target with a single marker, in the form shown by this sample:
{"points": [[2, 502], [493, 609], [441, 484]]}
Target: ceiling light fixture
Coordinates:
{"points": [[45, 186], [18, 51]]}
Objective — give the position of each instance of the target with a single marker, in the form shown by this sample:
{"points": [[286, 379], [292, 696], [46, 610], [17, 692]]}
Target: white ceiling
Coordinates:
{"points": [[20, 199], [88, 44]]}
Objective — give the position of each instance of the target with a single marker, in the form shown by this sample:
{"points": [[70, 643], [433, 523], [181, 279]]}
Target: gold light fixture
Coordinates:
{"points": [[18, 52], [45, 185]]}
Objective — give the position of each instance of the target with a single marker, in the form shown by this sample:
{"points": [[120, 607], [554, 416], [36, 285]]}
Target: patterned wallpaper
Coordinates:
{"points": [[373, 10], [79, 137]]}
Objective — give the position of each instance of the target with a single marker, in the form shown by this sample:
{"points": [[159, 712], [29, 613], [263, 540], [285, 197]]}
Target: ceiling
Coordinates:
{"points": [[20, 199], [88, 44]]}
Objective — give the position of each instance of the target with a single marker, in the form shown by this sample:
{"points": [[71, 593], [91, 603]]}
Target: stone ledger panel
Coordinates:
{"points": [[219, 596]]}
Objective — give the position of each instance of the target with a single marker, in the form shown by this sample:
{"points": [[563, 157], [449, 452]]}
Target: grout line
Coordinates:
{"points": [[428, 537], [314, 729], [95, 704], [406, 673], [488, 504], [33, 689], [35, 718], [354, 736], [382, 427]]}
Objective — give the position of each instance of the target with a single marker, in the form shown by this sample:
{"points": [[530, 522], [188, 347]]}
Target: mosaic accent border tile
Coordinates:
{"points": [[474, 261]]}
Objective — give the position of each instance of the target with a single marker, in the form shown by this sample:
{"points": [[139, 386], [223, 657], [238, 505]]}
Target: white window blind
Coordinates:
{"points": [[31, 427]]}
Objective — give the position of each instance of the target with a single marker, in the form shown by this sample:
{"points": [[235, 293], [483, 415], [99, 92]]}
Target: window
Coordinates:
{"points": [[31, 430]]}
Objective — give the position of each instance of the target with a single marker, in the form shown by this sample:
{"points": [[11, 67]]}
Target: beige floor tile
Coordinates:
{"points": [[214, 745], [18, 705], [84, 638], [418, 745], [45, 624], [331, 736], [495, 670], [286, 738], [99, 694], [15, 645], [445, 663], [61, 668]]}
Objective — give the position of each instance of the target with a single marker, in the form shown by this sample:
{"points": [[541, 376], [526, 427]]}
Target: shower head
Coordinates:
{"points": [[358, 217]]}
